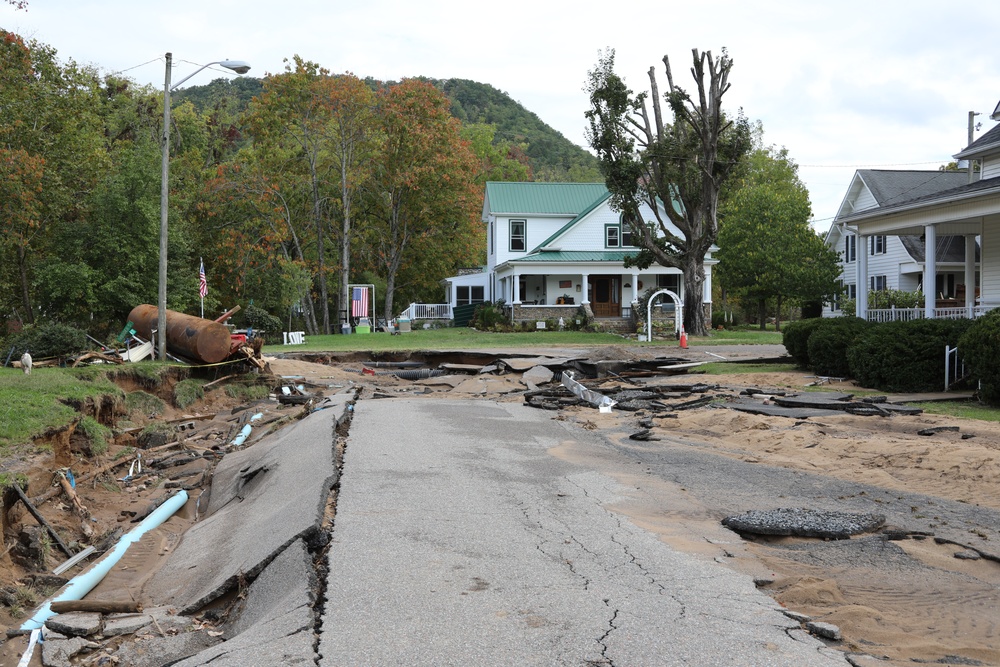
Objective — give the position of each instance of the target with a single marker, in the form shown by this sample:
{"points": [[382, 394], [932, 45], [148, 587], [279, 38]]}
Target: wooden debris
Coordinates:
{"points": [[41, 520], [98, 606]]}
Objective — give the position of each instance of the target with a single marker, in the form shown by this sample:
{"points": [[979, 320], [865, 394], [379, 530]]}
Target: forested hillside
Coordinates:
{"points": [[289, 188], [552, 156]]}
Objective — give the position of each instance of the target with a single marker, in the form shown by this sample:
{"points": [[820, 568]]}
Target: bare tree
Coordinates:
{"points": [[676, 168]]}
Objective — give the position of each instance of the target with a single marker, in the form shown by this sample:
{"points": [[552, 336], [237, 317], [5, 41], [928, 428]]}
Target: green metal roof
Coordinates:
{"points": [[543, 198], [617, 256]]}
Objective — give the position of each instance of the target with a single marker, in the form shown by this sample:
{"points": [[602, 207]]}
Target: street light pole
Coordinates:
{"points": [[161, 302], [237, 66]]}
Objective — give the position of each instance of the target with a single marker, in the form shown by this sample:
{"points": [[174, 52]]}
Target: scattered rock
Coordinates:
{"points": [[825, 630], [968, 554], [804, 523]]}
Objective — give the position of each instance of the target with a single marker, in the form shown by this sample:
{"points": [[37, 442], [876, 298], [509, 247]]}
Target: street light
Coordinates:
{"points": [[238, 66]]}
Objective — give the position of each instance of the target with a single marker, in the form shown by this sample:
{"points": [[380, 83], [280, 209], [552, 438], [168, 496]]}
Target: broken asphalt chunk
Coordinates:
{"points": [[804, 523]]}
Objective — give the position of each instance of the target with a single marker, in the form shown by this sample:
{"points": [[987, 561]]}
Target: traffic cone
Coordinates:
{"points": [[684, 338]]}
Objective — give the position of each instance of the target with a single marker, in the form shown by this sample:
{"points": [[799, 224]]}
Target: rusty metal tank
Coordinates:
{"points": [[188, 336]]}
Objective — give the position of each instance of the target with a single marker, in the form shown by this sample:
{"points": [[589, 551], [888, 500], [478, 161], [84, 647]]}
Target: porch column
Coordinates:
{"points": [[861, 279], [585, 286], [635, 288], [515, 288], [970, 274], [930, 270]]}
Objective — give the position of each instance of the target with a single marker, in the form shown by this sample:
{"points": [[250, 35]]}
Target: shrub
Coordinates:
{"points": [[795, 337], [47, 340], [904, 356], [489, 316], [828, 344], [978, 347], [260, 320]]}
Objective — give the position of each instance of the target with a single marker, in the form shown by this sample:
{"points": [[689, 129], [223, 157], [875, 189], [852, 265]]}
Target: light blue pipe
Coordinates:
{"points": [[242, 437], [82, 584]]}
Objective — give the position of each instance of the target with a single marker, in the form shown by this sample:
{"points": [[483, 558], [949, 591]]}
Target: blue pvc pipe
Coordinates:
{"points": [[242, 437], [83, 583]]}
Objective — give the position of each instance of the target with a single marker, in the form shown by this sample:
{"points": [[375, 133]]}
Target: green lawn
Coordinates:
{"points": [[456, 338], [32, 404]]}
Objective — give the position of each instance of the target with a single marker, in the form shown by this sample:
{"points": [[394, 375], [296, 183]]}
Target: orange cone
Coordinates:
{"points": [[684, 338]]}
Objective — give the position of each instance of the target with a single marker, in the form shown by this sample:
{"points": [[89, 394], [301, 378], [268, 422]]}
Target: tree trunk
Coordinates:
{"points": [[777, 315], [762, 313], [694, 291]]}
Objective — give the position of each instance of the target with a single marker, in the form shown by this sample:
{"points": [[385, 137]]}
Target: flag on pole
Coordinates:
{"points": [[202, 283], [359, 302]]}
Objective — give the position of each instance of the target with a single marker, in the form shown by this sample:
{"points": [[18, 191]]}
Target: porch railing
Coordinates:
{"points": [[427, 311], [907, 314]]}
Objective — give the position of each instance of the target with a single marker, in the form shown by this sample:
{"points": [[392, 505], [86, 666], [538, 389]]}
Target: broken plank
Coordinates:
{"points": [[40, 519], [98, 606]]}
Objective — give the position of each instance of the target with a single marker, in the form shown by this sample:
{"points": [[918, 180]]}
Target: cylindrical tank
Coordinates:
{"points": [[189, 336]]}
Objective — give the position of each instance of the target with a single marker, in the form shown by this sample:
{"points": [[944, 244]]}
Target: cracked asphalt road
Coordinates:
{"points": [[460, 540]]}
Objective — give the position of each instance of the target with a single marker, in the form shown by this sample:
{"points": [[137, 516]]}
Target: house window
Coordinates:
{"points": [[878, 283], [627, 241], [518, 235], [618, 236], [466, 294], [877, 245], [850, 248], [612, 236], [852, 291], [670, 281]]}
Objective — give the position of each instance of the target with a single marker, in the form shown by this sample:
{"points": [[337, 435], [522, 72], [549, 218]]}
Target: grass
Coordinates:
{"points": [[98, 434], [143, 403], [33, 404], [247, 392], [462, 338], [961, 409], [187, 392]]}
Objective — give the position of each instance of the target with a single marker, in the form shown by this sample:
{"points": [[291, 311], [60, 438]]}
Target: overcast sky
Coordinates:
{"points": [[845, 85]]}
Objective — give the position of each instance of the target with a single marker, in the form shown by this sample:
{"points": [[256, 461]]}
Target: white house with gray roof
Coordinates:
{"points": [[964, 210], [553, 247], [896, 262]]}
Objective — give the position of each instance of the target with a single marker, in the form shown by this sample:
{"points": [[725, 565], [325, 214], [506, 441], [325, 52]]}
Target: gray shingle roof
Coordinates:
{"points": [[890, 187], [987, 143]]}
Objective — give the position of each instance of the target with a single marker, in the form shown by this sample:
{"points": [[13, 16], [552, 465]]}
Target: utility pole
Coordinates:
{"points": [[972, 128]]}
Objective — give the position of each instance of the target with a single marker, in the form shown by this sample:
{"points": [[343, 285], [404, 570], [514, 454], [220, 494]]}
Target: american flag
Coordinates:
{"points": [[359, 302], [202, 283]]}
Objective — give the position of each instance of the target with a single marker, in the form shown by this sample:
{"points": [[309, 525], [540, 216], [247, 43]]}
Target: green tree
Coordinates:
{"points": [[676, 168], [50, 123], [768, 252], [423, 200]]}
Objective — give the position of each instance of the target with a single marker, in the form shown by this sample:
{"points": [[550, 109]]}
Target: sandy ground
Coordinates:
{"points": [[913, 603]]}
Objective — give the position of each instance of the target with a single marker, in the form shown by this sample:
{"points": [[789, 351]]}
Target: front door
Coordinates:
{"points": [[605, 298]]}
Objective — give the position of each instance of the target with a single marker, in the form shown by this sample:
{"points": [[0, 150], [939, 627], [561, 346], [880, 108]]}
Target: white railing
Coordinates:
{"points": [[427, 311], [954, 368], [906, 314]]}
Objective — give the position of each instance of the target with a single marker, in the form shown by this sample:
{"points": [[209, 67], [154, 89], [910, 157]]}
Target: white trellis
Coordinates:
{"points": [[678, 318]]}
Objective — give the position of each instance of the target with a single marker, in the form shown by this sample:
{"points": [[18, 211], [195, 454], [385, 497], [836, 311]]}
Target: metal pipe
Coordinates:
{"points": [[189, 336]]}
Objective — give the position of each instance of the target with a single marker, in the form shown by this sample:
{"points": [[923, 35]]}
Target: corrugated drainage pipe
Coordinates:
{"points": [[82, 584]]}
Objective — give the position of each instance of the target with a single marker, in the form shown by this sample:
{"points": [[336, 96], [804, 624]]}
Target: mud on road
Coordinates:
{"points": [[899, 594]]}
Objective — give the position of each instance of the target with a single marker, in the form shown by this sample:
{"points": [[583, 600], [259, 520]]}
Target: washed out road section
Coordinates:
{"points": [[460, 540]]}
